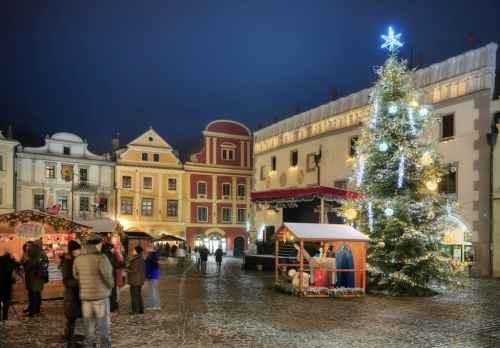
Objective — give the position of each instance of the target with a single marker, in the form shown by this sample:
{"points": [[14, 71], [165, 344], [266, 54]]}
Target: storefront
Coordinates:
{"points": [[20, 227]]}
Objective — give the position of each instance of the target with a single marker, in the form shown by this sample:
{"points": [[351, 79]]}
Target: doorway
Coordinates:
{"points": [[239, 246], [213, 243]]}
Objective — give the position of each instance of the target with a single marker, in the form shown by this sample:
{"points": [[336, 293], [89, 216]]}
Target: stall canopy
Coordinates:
{"points": [[318, 232], [135, 237], [102, 225], [300, 194], [169, 238]]}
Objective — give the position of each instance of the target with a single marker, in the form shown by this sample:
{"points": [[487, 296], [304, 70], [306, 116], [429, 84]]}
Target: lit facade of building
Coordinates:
{"points": [[64, 172], [218, 173], [311, 150], [149, 186]]}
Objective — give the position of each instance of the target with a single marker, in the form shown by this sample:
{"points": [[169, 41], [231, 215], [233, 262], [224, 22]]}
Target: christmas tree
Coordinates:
{"points": [[398, 170]]}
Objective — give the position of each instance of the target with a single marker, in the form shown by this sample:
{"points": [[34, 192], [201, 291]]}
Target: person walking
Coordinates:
{"points": [[167, 249], [33, 284], [136, 274], [113, 260], [204, 256], [152, 276], [119, 275], [189, 251], [94, 273], [72, 303], [218, 257], [181, 255], [197, 255], [8, 270]]}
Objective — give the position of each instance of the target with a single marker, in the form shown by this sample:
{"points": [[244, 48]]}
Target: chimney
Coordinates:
{"points": [[115, 143], [421, 61], [333, 93], [275, 118], [297, 108], [259, 126]]}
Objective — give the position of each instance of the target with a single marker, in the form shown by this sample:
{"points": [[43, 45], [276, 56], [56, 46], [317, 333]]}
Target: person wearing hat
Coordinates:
{"points": [[72, 303], [136, 275], [94, 273]]}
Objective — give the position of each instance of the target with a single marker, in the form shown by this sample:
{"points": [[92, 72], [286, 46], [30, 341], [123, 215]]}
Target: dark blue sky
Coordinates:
{"points": [[89, 67]]}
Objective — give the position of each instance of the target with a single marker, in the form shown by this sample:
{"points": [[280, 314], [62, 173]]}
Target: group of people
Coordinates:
{"points": [[201, 253]]}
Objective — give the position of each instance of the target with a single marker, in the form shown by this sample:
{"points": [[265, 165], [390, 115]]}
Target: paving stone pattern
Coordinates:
{"points": [[237, 308]]}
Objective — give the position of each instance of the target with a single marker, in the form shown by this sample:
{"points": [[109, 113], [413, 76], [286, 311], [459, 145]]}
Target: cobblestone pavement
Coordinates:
{"points": [[238, 308]]}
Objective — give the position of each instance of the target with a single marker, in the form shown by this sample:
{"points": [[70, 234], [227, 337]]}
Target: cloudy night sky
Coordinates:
{"points": [[95, 67]]}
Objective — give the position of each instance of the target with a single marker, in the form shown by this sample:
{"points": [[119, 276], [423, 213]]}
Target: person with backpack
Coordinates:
{"points": [[152, 275], [34, 279], [8, 270]]}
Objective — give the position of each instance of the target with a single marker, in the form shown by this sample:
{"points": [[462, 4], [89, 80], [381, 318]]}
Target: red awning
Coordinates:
{"points": [[304, 191]]}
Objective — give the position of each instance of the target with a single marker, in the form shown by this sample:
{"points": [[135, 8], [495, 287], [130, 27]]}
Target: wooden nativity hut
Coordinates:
{"points": [[341, 275]]}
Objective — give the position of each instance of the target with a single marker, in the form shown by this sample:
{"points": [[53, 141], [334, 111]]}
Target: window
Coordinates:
{"points": [[1, 195], [226, 214], [172, 208], [1, 162], [147, 183], [127, 206], [126, 181], [447, 128], [448, 184], [202, 213], [63, 200], [144, 156], [50, 172], [156, 157], [66, 150], [104, 204], [262, 172], [147, 207], [273, 163], [202, 188], [294, 158], [84, 203], [227, 154], [242, 215], [241, 190], [83, 174], [38, 201], [352, 144], [226, 189], [342, 184], [172, 184]]}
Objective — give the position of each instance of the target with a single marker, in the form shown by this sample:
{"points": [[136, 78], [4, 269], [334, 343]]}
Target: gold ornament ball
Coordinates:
{"points": [[431, 185], [426, 160], [351, 214]]}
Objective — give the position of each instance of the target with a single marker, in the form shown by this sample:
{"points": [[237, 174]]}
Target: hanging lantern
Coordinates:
{"points": [[431, 185], [350, 214], [426, 159], [381, 244]]}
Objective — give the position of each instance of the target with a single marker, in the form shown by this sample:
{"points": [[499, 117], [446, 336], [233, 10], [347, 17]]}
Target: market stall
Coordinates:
{"points": [[110, 230], [20, 227], [135, 237], [341, 275]]}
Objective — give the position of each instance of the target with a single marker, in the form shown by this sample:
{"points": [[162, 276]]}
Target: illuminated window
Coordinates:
{"points": [[147, 207], [352, 145], [64, 202], [172, 208], [127, 206], [172, 184], [126, 181], [147, 183], [50, 172]]}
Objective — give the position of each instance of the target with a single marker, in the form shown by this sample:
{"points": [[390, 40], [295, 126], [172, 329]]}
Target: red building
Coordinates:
{"points": [[218, 174]]}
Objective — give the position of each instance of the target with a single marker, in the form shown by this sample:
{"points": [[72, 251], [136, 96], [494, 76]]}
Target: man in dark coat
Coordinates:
{"points": [[218, 257], [108, 251], [33, 284], [7, 267], [72, 303], [136, 276], [204, 256]]}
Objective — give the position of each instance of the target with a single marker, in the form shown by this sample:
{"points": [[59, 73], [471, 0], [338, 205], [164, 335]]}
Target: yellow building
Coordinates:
{"points": [[148, 177]]}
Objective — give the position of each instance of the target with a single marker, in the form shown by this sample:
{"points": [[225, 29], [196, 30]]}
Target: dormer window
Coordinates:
{"points": [[66, 150], [144, 156], [228, 151]]}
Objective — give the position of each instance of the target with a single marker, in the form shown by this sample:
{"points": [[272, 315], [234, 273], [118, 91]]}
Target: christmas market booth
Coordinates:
{"points": [[164, 238], [335, 273], [133, 238], [20, 227], [110, 230]]}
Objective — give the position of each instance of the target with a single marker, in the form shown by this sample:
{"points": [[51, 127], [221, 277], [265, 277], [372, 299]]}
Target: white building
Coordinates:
{"points": [[7, 177], [460, 88], [65, 172]]}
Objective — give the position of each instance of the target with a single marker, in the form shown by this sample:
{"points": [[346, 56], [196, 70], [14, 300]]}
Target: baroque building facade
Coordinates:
{"points": [[303, 159], [218, 172], [64, 173], [7, 174], [149, 184]]}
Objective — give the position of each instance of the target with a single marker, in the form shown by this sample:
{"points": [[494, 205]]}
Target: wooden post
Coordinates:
{"points": [[301, 268], [322, 213], [363, 274], [276, 259]]}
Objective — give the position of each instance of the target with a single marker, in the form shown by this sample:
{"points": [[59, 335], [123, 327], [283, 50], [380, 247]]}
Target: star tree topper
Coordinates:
{"points": [[391, 41]]}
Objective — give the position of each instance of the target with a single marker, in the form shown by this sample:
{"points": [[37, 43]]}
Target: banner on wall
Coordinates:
{"points": [[30, 230]]}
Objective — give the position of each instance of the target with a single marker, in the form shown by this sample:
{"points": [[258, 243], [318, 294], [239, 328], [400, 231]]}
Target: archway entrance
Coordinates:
{"points": [[239, 246], [198, 241]]}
